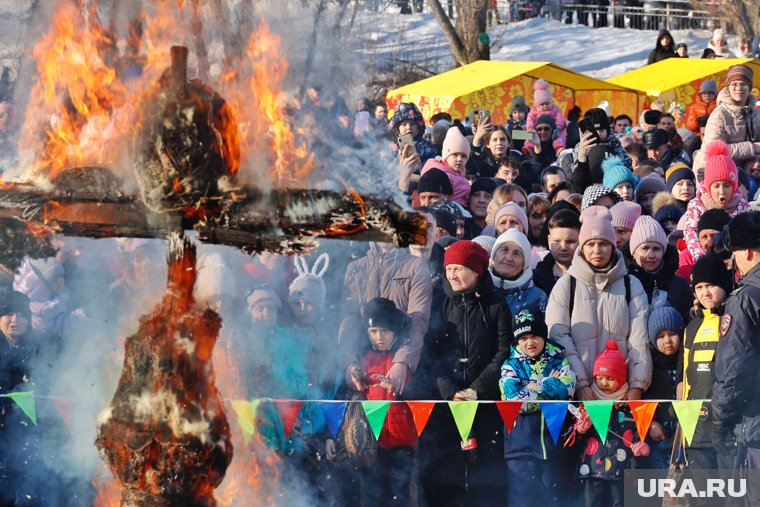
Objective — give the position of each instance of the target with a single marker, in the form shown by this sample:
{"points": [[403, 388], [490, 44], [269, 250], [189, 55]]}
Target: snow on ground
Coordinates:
{"points": [[390, 38]]}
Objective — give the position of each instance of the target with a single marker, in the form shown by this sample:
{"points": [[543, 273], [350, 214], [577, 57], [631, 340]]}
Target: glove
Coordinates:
{"points": [[583, 424], [640, 449], [554, 389]]}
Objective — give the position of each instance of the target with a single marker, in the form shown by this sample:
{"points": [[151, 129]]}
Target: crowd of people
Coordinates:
{"points": [[717, 47], [568, 257]]}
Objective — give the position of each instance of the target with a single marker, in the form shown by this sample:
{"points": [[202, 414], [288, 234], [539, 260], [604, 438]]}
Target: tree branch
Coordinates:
{"points": [[457, 46]]}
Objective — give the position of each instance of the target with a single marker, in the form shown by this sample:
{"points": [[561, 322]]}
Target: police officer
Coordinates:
{"points": [[736, 397]]}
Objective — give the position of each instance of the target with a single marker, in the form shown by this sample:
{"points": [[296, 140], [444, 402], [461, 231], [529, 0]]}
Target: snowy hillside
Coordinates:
{"points": [[599, 52]]}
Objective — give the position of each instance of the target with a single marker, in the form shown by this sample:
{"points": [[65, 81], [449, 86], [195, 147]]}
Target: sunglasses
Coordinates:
{"points": [[543, 129]]}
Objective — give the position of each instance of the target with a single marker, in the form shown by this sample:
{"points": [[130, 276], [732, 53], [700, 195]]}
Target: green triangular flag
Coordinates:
{"points": [[25, 401], [376, 411], [464, 415], [246, 414], [599, 412], [687, 412]]}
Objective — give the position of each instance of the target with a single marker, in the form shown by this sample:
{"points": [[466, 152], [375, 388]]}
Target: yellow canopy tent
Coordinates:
{"points": [[677, 80], [492, 84]]}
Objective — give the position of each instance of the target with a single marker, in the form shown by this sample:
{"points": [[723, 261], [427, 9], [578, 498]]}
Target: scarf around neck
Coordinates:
{"points": [[617, 395]]}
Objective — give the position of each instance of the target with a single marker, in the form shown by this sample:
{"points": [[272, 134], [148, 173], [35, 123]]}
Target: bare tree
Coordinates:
{"points": [[468, 37], [743, 15]]}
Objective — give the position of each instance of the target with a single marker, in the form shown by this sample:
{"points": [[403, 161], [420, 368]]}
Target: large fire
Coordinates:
{"points": [[83, 107]]}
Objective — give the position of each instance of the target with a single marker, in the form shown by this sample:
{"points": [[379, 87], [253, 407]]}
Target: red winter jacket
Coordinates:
{"points": [[398, 428]]}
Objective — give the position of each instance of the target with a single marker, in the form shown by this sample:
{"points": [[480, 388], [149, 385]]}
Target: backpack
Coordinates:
{"points": [[573, 283]]}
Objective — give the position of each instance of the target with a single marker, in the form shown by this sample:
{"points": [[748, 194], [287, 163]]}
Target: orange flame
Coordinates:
{"points": [[264, 126], [75, 94]]}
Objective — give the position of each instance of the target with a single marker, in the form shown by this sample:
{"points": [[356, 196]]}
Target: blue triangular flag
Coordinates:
{"points": [[554, 414], [333, 413]]}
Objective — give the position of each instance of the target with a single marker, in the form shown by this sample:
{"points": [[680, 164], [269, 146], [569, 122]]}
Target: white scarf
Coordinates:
{"points": [[504, 284]]}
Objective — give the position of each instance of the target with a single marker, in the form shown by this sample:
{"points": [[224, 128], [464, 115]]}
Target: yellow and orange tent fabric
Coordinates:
{"points": [[492, 85], [678, 79]]}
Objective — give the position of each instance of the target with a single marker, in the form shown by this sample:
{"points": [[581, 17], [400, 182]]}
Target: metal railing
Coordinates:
{"points": [[643, 18]]}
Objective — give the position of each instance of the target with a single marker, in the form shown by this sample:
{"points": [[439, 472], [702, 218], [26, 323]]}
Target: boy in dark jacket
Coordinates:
{"points": [[603, 463], [665, 326], [537, 369], [389, 476], [564, 227]]}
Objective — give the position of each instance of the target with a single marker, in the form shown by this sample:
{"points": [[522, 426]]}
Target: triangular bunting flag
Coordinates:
{"points": [[25, 401], [246, 414], [333, 413], [554, 414], [643, 413], [687, 412], [509, 411], [288, 410], [376, 410], [599, 412], [421, 412], [464, 415]]}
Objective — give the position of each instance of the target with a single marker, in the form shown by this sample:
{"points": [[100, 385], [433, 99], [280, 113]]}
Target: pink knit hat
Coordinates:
{"points": [[513, 209], [541, 93], [596, 223], [625, 214], [719, 166], [611, 363], [455, 143], [647, 229]]}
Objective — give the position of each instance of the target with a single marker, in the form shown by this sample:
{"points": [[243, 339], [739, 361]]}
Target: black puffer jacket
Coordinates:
{"points": [[660, 53], [735, 397], [474, 341], [678, 289]]}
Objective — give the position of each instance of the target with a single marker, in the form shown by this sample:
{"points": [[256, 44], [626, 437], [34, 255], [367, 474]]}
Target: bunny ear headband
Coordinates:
{"points": [[318, 269]]}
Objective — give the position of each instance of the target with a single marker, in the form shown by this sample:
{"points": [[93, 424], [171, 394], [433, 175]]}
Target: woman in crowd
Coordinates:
{"points": [[654, 263], [598, 301], [490, 144], [467, 356], [511, 273]]}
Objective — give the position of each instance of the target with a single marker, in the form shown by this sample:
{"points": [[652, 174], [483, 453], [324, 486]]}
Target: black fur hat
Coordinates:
{"points": [[743, 231]]}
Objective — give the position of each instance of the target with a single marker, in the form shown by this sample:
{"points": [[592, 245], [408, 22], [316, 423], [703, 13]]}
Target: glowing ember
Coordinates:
{"points": [[165, 435]]}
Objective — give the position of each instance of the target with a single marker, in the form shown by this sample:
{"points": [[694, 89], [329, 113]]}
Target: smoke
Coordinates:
{"points": [[112, 283]]}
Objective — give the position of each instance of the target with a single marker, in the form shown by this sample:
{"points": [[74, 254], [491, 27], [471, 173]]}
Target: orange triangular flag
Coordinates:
{"points": [[288, 410], [509, 411], [643, 412], [421, 412], [63, 407]]}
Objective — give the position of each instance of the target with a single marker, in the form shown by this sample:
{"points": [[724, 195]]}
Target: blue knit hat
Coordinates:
{"points": [[664, 318], [615, 173], [668, 212]]}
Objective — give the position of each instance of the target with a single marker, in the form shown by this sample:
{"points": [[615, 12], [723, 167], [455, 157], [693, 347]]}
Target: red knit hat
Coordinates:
{"points": [[719, 166], [468, 254], [611, 363]]}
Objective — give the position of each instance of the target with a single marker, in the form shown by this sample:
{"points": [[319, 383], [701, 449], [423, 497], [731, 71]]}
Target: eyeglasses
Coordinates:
{"points": [[543, 129], [738, 84]]}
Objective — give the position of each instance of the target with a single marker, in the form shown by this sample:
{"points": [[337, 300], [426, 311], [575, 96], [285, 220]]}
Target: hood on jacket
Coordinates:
{"points": [[724, 98], [582, 270], [670, 48]]}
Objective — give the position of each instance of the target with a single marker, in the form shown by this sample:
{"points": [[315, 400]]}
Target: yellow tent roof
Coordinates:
{"points": [[492, 84], [668, 74], [482, 74]]}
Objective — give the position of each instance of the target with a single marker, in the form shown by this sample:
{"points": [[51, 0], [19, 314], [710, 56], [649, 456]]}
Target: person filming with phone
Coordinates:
{"points": [[411, 150], [587, 158], [490, 145]]}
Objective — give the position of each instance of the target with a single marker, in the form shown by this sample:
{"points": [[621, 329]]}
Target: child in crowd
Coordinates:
{"points": [[719, 190], [564, 227], [709, 225], [711, 283], [679, 180], [624, 216], [665, 337], [537, 369], [544, 105], [603, 464], [647, 188], [619, 178], [390, 474], [518, 112]]}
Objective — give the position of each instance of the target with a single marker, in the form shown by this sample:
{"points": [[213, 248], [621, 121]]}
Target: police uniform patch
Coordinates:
{"points": [[725, 323]]}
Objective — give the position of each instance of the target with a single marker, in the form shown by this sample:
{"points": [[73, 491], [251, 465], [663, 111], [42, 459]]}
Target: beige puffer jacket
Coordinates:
{"points": [[600, 313], [730, 122]]}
